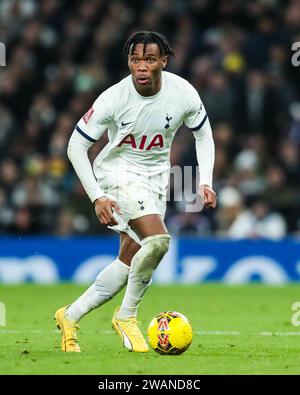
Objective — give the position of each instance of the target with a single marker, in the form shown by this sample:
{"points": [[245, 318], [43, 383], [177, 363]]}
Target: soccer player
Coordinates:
{"points": [[129, 178]]}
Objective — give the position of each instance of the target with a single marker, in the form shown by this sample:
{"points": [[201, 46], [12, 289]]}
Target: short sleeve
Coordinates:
{"points": [[195, 114], [97, 119]]}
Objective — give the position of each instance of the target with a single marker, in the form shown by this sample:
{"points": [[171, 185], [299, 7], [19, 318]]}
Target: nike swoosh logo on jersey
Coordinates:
{"points": [[127, 123]]}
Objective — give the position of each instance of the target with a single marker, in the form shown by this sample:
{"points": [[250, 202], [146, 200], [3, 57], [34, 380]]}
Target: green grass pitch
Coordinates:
{"points": [[237, 330]]}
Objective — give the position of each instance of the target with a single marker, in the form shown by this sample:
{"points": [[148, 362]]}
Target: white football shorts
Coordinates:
{"points": [[135, 201]]}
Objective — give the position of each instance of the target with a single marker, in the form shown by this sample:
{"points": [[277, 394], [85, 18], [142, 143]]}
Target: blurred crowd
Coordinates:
{"points": [[62, 54]]}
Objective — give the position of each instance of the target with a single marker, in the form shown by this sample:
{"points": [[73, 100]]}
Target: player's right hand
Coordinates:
{"points": [[104, 210]]}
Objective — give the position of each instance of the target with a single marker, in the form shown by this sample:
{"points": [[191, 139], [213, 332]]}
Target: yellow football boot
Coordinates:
{"points": [[130, 333], [68, 329]]}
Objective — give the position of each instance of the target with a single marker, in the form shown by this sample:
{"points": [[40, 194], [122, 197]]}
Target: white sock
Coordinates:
{"points": [[108, 283], [143, 264]]}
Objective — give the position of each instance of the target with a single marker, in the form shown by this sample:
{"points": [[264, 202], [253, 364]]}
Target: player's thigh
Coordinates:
{"points": [[128, 248], [148, 225]]}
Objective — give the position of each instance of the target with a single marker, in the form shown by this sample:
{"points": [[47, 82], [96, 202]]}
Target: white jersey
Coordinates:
{"points": [[141, 130]]}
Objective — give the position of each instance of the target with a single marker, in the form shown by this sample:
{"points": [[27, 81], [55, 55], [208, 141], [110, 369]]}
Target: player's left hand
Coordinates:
{"points": [[208, 195]]}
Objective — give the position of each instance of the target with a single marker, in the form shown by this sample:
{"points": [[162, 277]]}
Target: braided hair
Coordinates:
{"points": [[148, 37]]}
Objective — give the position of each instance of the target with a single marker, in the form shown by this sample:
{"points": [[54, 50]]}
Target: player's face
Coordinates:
{"points": [[146, 63]]}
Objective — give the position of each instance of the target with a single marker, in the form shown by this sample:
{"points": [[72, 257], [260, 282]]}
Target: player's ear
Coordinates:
{"points": [[164, 61]]}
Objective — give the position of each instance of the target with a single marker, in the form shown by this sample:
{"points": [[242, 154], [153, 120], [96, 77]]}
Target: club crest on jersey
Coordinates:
{"points": [[88, 115], [168, 119], [141, 204], [145, 143]]}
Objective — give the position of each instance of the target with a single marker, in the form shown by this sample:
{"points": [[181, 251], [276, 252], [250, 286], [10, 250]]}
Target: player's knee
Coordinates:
{"points": [[164, 245], [157, 245], [153, 248]]}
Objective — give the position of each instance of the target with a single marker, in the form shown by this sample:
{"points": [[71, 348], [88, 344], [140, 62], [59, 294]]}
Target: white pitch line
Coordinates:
{"points": [[201, 333], [234, 333], [280, 333], [11, 331], [38, 331]]}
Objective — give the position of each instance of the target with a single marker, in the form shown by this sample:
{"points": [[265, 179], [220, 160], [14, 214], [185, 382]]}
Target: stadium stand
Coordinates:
{"points": [[62, 54]]}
